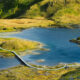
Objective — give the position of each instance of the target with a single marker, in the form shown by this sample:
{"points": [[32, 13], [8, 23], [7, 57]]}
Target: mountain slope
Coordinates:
{"points": [[61, 11]]}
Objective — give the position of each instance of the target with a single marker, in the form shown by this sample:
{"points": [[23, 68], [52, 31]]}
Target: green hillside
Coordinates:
{"points": [[61, 11], [15, 8]]}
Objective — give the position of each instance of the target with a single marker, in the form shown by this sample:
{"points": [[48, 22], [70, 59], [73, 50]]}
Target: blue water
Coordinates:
{"points": [[56, 39]]}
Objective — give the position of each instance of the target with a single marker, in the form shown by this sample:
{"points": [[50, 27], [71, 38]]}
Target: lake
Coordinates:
{"points": [[56, 39]]}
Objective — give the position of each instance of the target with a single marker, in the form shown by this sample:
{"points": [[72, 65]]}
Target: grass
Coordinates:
{"points": [[25, 73], [18, 45], [68, 15], [7, 25], [4, 53], [72, 75]]}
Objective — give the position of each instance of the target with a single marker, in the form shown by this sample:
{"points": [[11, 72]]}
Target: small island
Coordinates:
{"points": [[77, 40]]}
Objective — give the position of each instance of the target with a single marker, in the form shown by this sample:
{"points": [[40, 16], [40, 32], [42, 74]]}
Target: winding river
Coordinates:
{"points": [[56, 39]]}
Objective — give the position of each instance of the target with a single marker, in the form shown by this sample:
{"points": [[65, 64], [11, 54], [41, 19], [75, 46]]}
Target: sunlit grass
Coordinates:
{"points": [[69, 14], [18, 45], [19, 24], [24, 73]]}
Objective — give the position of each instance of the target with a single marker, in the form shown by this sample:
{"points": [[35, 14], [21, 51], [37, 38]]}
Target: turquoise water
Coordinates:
{"points": [[56, 39]]}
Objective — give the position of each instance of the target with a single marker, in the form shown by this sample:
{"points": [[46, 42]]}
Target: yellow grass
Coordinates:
{"points": [[67, 18], [18, 44], [24, 73], [13, 24]]}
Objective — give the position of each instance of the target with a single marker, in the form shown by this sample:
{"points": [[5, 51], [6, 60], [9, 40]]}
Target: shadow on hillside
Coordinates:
{"points": [[23, 8]]}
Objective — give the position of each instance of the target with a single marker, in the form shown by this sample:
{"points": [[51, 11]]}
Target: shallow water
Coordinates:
{"points": [[56, 39]]}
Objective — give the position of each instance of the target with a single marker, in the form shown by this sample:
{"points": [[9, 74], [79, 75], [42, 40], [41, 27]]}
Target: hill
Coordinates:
{"points": [[63, 12]]}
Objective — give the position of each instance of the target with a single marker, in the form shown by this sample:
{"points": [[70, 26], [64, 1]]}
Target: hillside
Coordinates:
{"points": [[63, 12]]}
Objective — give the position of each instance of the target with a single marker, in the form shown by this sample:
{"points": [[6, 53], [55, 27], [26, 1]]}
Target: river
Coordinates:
{"points": [[56, 39]]}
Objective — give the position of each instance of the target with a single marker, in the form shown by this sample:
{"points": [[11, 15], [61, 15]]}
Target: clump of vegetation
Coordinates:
{"points": [[15, 8], [4, 53], [18, 44], [76, 40]]}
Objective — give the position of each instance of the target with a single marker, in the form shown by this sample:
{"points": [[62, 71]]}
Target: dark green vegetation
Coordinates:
{"points": [[10, 9]]}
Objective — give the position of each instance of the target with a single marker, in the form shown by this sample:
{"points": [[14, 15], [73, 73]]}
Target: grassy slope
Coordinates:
{"points": [[62, 14], [12, 9], [24, 73], [68, 15]]}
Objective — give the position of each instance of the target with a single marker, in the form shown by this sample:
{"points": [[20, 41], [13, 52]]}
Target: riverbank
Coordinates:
{"points": [[18, 45], [22, 72], [9, 25], [13, 25]]}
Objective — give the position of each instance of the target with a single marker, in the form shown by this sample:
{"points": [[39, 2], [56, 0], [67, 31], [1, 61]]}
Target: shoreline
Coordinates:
{"points": [[28, 45], [14, 25], [45, 67], [42, 45], [57, 67], [56, 70], [17, 25], [23, 72]]}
